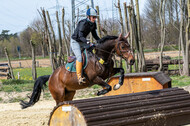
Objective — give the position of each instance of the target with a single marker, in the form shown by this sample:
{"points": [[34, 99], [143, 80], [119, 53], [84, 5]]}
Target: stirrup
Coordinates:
{"points": [[82, 80]]}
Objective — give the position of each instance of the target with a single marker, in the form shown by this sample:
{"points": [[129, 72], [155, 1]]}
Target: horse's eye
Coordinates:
{"points": [[123, 47]]}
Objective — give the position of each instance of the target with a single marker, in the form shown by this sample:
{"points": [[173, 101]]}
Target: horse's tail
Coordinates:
{"points": [[38, 86]]}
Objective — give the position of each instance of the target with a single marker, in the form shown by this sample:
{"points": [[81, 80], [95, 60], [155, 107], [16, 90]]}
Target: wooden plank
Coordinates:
{"points": [[160, 107], [3, 78], [4, 67], [4, 73]]}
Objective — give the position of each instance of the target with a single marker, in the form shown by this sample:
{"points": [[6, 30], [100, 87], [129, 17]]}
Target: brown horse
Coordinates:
{"points": [[63, 84]]}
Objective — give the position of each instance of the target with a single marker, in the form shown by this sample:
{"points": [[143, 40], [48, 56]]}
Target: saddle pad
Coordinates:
{"points": [[71, 67]]}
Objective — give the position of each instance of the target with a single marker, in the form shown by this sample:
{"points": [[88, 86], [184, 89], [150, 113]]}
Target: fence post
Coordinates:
{"points": [[9, 63]]}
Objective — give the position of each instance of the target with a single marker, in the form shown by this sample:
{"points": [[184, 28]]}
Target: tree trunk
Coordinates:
{"points": [[60, 55], [136, 38], [120, 16], [128, 67], [53, 41], [162, 20], [9, 63], [143, 65], [132, 37], [122, 27], [34, 74], [98, 22], [64, 36], [186, 62], [49, 40]]}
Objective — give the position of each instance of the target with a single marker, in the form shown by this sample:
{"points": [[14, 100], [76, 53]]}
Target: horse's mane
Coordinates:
{"points": [[102, 40]]}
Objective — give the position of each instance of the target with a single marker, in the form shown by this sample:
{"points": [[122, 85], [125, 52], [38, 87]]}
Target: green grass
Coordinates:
{"points": [[17, 87], [180, 81], [1, 99], [22, 58], [26, 73], [16, 99]]}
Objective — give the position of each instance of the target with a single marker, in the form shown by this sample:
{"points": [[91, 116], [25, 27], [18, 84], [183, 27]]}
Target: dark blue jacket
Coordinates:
{"points": [[84, 27]]}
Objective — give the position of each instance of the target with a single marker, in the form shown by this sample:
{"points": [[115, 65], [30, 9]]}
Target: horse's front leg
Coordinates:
{"points": [[121, 78], [106, 87]]}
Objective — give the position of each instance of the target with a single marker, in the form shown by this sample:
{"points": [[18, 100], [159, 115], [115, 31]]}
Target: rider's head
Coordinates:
{"points": [[92, 14]]}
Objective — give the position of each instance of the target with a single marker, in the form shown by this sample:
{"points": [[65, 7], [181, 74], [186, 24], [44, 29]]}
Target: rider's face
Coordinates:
{"points": [[92, 18]]}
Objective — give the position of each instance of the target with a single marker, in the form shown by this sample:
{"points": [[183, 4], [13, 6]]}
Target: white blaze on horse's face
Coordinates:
{"points": [[123, 49]]}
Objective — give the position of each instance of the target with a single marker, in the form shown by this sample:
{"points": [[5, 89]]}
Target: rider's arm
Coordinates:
{"points": [[94, 34], [81, 29]]}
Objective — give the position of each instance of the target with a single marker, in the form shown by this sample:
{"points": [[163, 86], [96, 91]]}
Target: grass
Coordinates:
{"points": [[180, 81], [22, 58], [26, 73], [17, 87], [16, 99], [26, 83]]}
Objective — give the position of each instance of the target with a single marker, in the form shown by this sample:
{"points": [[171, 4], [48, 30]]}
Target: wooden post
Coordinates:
{"points": [[64, 36], [9, 63], [34, 74], [98, 22], [49, 40], [53, 35], [20, 65], [60, 55], [53, 42]]}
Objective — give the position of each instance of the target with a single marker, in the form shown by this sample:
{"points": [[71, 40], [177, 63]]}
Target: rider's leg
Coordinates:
{"points": [[77, 51]]}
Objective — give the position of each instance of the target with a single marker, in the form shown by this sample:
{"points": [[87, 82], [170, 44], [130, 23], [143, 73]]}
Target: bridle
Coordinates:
{"points": [[123, 51], [112, 53]]}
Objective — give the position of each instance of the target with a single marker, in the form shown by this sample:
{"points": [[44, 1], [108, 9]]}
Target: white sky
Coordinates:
{"points": [[16, 15]]}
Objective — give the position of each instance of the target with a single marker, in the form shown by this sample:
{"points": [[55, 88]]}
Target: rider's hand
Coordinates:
{"points": [[92, 45]]}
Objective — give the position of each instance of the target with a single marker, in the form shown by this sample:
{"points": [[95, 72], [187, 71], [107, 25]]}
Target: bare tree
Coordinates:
{"points": [[186, 58], [163, 30], [49, 40], [64, 34], [60, 54]]}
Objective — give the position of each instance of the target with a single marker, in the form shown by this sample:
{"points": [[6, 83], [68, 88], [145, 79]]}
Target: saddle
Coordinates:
{"points": [[71, 59], [71, 62]]}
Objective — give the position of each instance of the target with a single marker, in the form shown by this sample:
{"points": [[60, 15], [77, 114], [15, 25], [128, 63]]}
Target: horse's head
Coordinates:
{"points": [[122, 48]]}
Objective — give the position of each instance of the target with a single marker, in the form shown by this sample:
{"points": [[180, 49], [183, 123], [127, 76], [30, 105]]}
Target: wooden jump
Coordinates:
{"points": [[169, 107], [139, 82]]}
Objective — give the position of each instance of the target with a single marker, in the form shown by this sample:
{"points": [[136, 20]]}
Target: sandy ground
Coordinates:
{"points": [[12, 115]]}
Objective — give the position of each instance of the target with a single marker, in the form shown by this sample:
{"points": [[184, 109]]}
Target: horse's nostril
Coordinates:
{"points": [[132, 62]]}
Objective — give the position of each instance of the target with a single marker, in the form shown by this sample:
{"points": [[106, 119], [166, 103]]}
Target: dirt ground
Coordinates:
{"points": [[11, 114]]}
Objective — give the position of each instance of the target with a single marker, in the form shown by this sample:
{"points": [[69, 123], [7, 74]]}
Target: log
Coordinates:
{"points": [[160, 107]]}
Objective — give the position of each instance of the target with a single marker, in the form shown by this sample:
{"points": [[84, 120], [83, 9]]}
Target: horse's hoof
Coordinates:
{"points": [[116, 87]]}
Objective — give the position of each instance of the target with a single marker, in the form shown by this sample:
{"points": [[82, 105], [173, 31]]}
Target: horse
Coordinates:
{"points": [[63, 84]]}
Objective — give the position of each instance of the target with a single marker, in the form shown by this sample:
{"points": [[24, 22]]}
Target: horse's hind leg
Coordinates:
{"points": [[57, 91], [69, 95], [106, 87]]}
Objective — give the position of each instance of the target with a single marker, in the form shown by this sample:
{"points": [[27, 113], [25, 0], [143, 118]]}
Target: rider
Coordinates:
{"points": [[78, 41]]}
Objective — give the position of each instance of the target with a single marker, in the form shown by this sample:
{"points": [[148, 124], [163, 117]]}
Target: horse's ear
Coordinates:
{"points": [[120, 36], [127, 35]]}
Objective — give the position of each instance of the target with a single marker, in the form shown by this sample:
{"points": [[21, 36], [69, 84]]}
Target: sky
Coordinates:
{"points": [[17, 15]]}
